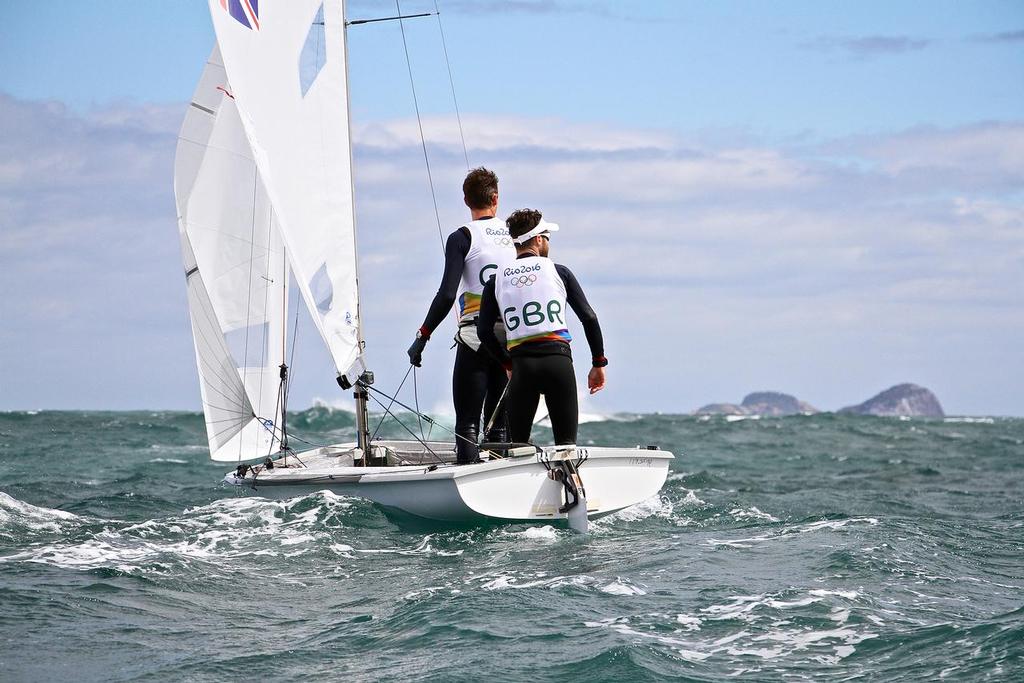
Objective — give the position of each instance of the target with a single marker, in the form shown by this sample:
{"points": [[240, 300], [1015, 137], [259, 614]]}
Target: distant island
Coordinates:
{"points": [[762, 403], [909, 400]]}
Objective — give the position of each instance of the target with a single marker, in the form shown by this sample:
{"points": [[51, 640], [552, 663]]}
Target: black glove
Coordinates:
{"points": [[416, 350]]}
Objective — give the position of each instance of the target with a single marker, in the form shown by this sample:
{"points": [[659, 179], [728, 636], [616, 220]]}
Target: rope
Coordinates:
{"points": [[419, 122], [416, 400], [497, 408], [451, 81]]}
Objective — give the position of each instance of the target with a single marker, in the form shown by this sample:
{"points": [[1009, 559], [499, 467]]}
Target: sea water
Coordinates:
{"points": [[806, 548]]}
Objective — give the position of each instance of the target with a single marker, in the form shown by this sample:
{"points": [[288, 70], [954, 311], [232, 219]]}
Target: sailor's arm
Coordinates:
{"points": [[577, 301], [485, 323], [455, 251]]}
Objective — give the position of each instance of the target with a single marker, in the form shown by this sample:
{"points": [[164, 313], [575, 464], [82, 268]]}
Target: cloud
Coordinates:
{"points": [[1003, 37], [537, 8], [868, 46], [525, 7], [715, 265], [488, 7]]}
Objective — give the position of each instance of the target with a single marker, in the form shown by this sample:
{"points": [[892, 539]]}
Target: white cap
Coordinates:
{"points": [[542, 228]]}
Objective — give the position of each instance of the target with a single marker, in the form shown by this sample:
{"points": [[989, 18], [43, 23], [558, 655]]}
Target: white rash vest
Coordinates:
{"points": [[531, 298], [490, 250]]}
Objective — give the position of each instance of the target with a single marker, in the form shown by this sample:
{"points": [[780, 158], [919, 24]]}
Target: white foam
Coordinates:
{"points": [[971, 420], [827, 645], [839, 615], [837, 523], [692, 499], [789, 604], [534, 533], [655, 506], [204, 533], [34, 517], [425, 547], [176, 461], [752, 513], [622, 587], [740, 542], [689, 623], [849, 595]]}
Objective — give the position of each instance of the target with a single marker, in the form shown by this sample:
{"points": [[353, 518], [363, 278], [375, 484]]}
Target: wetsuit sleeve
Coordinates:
{"points": [[485, 325], [455, 251], [577, 301]]}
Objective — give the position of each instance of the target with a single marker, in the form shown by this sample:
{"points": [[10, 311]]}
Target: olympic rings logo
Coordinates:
{"points": [[503, 241], [523, 280]]}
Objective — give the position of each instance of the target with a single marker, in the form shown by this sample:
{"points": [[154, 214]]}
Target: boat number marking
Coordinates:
{"points": [[639, 462]]}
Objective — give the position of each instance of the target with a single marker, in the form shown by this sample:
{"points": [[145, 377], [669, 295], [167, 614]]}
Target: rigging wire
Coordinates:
{"points": [[419, 122], [426, 418], [451, 81], [387, 410]]}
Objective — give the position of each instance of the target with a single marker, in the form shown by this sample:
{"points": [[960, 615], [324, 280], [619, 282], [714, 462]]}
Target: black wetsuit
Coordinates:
{"points": [[542, 367], [478, 380]]}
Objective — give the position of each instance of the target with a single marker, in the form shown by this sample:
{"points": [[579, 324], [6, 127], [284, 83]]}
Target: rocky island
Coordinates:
{"points": [[761, 403], [907, 400], [902, 400]]}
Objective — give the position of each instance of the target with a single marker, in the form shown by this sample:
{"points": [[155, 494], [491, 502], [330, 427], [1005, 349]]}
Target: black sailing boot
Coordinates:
{"points": [[466, 450], [498, 434]]}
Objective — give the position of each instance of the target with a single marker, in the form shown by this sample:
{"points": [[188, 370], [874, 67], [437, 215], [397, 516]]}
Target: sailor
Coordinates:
{"points": [[472, 255], [531, 295]]}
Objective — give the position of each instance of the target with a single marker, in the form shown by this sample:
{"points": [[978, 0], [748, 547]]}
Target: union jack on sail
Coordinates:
{"points": [[246, 12]]}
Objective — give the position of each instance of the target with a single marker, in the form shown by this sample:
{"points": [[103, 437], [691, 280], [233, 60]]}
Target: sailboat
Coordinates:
{"points": [[265, 197]]}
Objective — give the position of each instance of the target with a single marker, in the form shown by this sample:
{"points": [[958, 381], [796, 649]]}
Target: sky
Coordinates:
{"points": [[824, 199]]}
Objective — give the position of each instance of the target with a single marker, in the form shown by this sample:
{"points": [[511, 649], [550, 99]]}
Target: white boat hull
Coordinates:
{"points": [[515, 488]]}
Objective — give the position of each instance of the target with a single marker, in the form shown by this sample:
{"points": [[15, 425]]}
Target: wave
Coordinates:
{"points": [[216, 534], [785, 628], [18, 515], [790, 530]]}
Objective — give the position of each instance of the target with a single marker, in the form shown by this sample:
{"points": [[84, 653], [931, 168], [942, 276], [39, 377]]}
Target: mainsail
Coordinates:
{"points": [[236, 273], [286, 64]]}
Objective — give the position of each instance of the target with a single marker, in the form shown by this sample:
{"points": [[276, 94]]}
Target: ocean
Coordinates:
{"points": [[820, 547]]}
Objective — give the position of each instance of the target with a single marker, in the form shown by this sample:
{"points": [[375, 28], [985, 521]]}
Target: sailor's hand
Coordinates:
{"points": [[595, 380], [416, 350]]}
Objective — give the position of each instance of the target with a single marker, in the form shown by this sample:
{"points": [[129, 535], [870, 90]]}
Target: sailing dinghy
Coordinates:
{"points": [[264, 191]]}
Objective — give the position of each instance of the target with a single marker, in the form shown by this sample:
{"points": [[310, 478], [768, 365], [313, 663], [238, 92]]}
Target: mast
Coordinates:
{"points": [[283, 389], [361, 393]]}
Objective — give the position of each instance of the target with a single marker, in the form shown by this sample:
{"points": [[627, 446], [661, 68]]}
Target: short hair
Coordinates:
{"points": [[480, 188], [522, 221]]}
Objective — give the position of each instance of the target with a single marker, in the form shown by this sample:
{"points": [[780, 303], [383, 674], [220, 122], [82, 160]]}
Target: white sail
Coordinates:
{"points": [[286, 64], [236, 273]]}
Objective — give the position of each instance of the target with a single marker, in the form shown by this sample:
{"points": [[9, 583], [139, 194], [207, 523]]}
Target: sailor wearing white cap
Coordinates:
{"points": [[531, 296]]}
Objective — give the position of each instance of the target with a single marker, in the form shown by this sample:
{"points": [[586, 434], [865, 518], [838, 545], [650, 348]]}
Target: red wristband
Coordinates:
{"points": [[600, 362], [424, 332]]}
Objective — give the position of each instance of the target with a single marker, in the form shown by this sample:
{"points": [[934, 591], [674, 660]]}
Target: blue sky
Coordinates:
{"points": [[819, 198]]}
